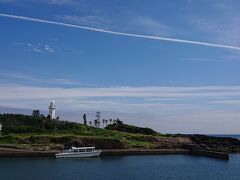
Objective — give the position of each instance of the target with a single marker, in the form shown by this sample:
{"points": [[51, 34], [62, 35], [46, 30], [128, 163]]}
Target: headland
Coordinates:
{"points": [[25, 135]]}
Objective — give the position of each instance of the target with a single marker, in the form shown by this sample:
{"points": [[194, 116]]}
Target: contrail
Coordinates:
{"points": [[121, 33]]}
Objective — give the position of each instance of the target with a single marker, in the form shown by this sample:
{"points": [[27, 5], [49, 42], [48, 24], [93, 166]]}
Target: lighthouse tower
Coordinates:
{"points": [[52, 110]]}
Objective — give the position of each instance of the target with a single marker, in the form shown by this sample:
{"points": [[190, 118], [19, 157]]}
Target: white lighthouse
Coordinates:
{"points": [[52, 110]]}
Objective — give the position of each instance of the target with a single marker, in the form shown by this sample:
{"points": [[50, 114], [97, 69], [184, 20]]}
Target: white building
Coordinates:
{"points": [[52, 110]]}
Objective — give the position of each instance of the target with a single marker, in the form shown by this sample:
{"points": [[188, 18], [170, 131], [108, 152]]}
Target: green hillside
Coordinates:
{"points": [[24, 129]]}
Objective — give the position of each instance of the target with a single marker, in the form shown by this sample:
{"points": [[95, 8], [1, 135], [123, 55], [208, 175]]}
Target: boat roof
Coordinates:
{"points": [[83, 147]]}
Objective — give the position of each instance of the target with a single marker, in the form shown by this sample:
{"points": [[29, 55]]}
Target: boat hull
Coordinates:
{"points": [[78, 154]]}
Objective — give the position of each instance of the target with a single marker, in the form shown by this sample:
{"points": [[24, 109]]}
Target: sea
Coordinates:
{"points": [[132, 167], [226, 135]]}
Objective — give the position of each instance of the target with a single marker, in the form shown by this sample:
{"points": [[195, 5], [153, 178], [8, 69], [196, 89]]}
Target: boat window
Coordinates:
{"points": [[89, 150], [75, 150], [81, 150]]}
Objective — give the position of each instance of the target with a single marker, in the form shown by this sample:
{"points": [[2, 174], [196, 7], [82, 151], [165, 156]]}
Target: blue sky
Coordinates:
{"points": [[172, 87]]}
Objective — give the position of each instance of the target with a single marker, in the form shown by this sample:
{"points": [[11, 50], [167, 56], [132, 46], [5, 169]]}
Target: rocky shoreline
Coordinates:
{"points": [[218, 147], [10, 152], [222, 144]]}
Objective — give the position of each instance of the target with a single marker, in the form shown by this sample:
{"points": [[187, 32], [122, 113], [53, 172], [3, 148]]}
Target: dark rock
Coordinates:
{"points": [[103, 143], [225, 144], [172, 142]]}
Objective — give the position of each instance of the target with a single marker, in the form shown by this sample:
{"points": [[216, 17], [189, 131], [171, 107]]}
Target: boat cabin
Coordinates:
{"points": [[83, 149]]}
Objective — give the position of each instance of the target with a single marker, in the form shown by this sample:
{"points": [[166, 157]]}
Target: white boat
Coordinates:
{"points": [[79, 152]]}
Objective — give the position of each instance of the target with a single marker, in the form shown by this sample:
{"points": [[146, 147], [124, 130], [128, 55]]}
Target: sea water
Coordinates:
{"points": [[237, 136], [167, 167]]}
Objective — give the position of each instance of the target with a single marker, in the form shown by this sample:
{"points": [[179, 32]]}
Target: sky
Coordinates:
{"points": [[169, 65]]}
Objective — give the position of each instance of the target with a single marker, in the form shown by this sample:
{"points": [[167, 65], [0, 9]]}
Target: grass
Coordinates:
{"points": [[139, 144], [23, 129], [129, 140], [9, 139]]}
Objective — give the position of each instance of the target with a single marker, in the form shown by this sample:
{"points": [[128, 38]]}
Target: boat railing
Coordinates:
{"points": [[75, 150]]}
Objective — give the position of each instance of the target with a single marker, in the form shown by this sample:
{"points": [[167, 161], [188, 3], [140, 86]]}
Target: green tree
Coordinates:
{"points": [[85, 119], [90, 122]]}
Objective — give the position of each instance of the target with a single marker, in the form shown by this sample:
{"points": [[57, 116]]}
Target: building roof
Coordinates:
{"points": [[83, 147]]}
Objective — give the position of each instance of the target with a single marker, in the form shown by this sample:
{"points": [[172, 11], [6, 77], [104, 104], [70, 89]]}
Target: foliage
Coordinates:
{"points": [[130, 129], [17, 123]]}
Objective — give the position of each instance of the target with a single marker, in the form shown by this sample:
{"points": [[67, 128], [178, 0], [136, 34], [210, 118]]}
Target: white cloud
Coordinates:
{"points": [[39, 48], [25, 78], [65, 88], [148, 25], [58, 2], [48, 48], [50, 2], [88, 20], [166, 109], [204, 122], [127, 22], [202, 60], [7, 1], [21, 92], [227, 102], [222, 25], [225, 30]]}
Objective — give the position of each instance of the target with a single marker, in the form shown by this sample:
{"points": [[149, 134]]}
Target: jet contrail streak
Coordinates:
{"points": [[121, 33]]}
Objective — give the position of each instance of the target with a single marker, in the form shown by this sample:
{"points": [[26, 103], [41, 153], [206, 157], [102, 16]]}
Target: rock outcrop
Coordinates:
{"points": [[225, 144]]}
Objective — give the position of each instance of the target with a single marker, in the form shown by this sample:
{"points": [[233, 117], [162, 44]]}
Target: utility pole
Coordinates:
{"points": [[98, 118]]}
